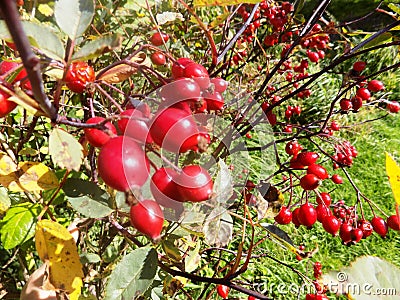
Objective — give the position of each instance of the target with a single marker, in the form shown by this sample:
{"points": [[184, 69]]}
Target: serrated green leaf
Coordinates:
{"points": [[18, 225], [97, 47], [5, 201], [90, 208], [138, 269], [87, 198], [65, 150], [40, 36], [74, 16]]}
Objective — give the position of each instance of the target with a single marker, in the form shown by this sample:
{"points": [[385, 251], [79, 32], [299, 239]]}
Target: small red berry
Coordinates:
{"points": [[147, 217], [6, 106], [293, 147], [307, 158], [335, 126], [394, 107], [393, 222], [98, 137], [309, 182], [359, 66], [158, 58], [356, 234], [223, 291], [345, 104], [318, 171], [307, 214], [363, 93], [159, 38], [284, 217], [324, 198], [78, 75], [194, 184], [375, 86], [337, 179], [380, 226]]}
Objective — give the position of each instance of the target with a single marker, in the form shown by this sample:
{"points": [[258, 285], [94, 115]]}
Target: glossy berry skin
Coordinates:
{"points": [[380, 226], [215, 101], [375, 86], [394, 107], [312, 56], [98, 137], [251, 298], [132, 124], [174, 130], [324, 198], [293, 147], [223, 291], [9, 67], [345, 232], [284, 217], [122, 164], [6, 106], [337, 179], [356, 234], [194, 184], [366, 228], [345, 104], [307, 215], [147, 217], [295, 217], [159, 38], [179, 67], [335, 126], [331, 224], [318, 171], [309, 182], [78, 75], [393, 222], [158, 59], [322, 212], [307, 158], [198, 73], [183, 89], [363, 93], [359, 66], [163, 187], [220, 85]]}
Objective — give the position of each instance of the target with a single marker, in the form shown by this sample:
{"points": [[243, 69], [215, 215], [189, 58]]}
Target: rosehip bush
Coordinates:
{"points": [[182, 143]]}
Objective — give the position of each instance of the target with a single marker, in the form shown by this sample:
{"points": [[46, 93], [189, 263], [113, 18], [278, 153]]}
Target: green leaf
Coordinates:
{"points": [[383, 38], [218, 228], [87, 198], [89, 258], [74, 16], [394, 7], [18, 225], [40, 36], [97, 47], [65, 150], [90, 208], [133, 275], [5, 201]]}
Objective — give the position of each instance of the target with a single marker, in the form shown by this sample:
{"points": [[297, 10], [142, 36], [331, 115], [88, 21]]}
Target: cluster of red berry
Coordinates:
{"points": [[122, 160], [345, 152], [364, 91]]}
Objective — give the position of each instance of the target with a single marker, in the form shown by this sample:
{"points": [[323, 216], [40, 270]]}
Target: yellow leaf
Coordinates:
{"points": [[46, 10], [26, 177], [122, 72], [36, 177], [65, 150], [393, 172], [56, 246], [197, 3]]}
